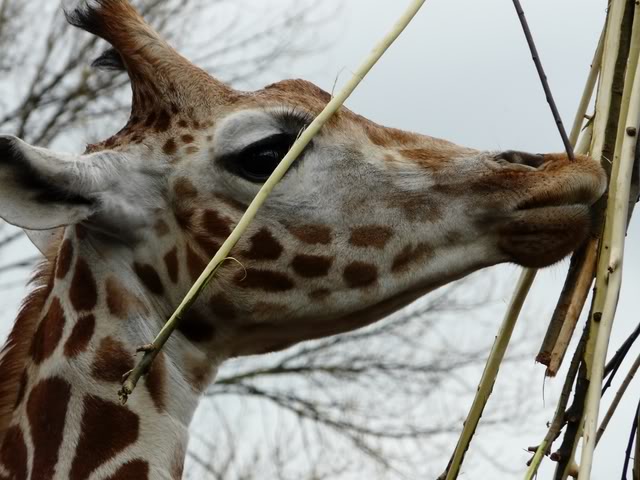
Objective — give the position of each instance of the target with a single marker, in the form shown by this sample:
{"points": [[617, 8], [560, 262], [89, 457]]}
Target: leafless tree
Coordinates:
{"points": [[361, 405]]}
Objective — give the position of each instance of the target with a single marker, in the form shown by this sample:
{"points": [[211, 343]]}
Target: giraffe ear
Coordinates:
{"points": [[40, 190], [41, 239]]}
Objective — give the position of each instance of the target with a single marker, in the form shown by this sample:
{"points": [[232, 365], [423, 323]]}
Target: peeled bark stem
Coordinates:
{"points": [[603, 148], [565, 317]]}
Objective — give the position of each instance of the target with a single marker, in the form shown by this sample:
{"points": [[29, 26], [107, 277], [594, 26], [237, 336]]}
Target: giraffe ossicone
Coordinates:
{"points": [[366, 221]]}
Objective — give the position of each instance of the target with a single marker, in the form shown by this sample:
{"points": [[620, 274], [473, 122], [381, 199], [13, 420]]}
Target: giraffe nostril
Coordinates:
{"points": [[513, 157]]}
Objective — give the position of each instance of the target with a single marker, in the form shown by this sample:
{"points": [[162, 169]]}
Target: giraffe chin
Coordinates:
{"points": [[540, 237]]}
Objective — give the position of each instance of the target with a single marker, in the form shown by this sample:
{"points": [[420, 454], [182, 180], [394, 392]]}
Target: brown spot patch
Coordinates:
{"points": [[208, 245], [187, 138], [191, 150], [221, 307], [184, 216], [133, 469], [49, 332], [375, 236], [177, 465], [171, 262], [81, 232], [65, 256], [163, 122], [80, 336], [184, 189], [196, 328], [13, 454], [119, 300], [183, 124], [112, 360], [312, 234], [360, 275], [155, 382], [46, 411], [170, 147], [265, 280], [103, 423], [161, 228], [83, 292], [151, 119], [195, 263], [311, 266], [263, 246], [149, 277], [199, 373], [215, 224], [418, 209], [320, 294], [410, 255]]}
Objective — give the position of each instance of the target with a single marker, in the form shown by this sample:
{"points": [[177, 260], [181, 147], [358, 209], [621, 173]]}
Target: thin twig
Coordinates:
{"points": [[543, 78], [613, 365], [627, 454], [151, 351], [616, 400]]}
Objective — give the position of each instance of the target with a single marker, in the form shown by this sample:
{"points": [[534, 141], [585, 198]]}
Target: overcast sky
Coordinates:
{"points": [[462, 71]]}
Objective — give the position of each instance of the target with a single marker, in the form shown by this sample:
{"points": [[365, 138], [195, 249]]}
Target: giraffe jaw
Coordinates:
{"points": [[539, 237]]}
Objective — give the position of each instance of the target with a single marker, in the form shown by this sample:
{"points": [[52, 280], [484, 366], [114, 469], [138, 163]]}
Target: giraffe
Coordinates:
{"points": [[366, 221]]}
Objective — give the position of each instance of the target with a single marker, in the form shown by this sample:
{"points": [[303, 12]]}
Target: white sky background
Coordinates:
{"points": [[462, 71]]}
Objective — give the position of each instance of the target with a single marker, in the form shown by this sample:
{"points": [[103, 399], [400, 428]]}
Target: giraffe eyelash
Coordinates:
{"points": [[293, 119]]}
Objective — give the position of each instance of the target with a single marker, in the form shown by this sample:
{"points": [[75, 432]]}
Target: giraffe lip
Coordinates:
{"points": [[572, 196], [541, 236]]}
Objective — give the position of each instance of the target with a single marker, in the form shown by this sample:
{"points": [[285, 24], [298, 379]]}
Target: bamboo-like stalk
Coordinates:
{"points": [[610, 56], [150, 351], [490, 373], [587, 92], [603, 109], [610, 268]]}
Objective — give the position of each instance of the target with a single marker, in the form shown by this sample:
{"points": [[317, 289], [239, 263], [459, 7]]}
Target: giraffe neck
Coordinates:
{"points": [[66, 421]]}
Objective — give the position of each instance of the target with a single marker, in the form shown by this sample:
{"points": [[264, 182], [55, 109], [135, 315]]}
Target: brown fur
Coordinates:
{"points": [[103, 423], [375, 236], [137, 469], [83, 291], [264, 246], [80, 336], [360, 275], [14, 353], [46, 411], [13, 454]]}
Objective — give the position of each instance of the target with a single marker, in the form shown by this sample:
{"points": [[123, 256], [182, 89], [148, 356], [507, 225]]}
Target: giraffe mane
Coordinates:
{"points": [[14, 353]]}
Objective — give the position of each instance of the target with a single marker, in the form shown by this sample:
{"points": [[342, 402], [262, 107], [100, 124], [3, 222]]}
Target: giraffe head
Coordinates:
{"points": [[368, 218]]}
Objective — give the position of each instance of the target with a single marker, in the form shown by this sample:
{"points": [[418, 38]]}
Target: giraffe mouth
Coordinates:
{"points": [[574, 195], [540, 236]]}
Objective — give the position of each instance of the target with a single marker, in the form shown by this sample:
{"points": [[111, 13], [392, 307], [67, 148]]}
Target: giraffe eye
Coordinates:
{"points": [[258, 161]]}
